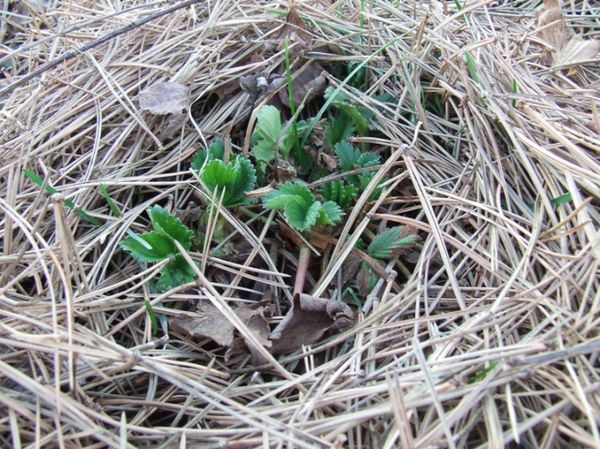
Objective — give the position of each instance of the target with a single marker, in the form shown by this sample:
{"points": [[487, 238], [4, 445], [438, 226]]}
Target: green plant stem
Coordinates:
{"points": [[302, 269]]}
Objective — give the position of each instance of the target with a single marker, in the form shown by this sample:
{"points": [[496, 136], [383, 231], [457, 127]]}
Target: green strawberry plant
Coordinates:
{"points": [[303, 212], [227, 181], [159, 245]]}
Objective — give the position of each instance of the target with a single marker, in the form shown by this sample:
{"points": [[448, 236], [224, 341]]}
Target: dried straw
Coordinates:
{"points": [[491, 339]]}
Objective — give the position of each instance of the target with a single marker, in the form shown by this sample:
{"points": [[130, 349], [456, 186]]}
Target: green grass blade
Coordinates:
{"points": [[562, 199], [472, 67], [114, 210], [152, 316], [35, 178]]}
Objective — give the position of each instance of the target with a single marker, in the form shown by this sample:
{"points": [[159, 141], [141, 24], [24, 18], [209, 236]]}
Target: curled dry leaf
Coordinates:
{"points": [[576, 51], [551, 22], [210, 323], [307, 321], [308, 84], [567, 47], [164, 98]]}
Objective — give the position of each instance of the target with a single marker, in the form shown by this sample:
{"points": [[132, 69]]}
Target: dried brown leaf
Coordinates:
{"points": [[554, 29], [307, 85], [576, 51], [210, 323], [164, 98], [307, 321]]}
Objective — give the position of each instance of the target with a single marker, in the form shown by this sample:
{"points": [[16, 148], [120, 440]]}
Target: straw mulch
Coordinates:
{"points": [[487, 338]]}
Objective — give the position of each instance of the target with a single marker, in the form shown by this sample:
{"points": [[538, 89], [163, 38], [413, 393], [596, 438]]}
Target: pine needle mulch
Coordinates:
{"points": [[486, 337]]}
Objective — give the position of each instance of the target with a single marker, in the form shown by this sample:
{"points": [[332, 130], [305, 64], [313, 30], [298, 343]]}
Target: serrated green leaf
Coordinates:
{"points": [[330, 213], [164, 223], [351, 158], [266, 134], [175, 273], [215, 150], [149, 247], [340, 192], [339, 128], [390, 242], [290, 191], [300, 215], [245, 180], [235, 178], [359, 116]]}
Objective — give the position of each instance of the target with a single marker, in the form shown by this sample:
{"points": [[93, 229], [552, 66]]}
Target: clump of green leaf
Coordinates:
{"points": [[229, 181], [301, 209], [339, 192], [350, 118], [350, 158], [391, 242], [159, 244], [271, 136]]}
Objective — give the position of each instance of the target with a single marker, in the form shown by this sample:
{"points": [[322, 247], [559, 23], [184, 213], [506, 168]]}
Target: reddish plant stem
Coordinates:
{"points": [[303, 259]]}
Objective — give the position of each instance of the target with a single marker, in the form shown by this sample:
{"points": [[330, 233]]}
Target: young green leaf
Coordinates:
{"points": [[265, 137], [301, 215], [216, 150], [330, 213], [300, 208], [149, 247], [338, 128], [234, 179], [391, 242], [351, 158], [339, 192], [359, 116], [164, 223], [177, 272], [114, 210]]}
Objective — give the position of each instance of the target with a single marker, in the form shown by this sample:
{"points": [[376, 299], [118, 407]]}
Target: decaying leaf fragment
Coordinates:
{"points": [[164, 98], [307, 321], [567, 48], [210, 323], [308, 84]]}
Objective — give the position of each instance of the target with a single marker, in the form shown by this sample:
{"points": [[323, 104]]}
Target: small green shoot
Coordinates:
{"points": [[392, 242], [562, 199], [114, 210], [152, 315], [34, 177], [472, 67], [158, 245], [515, 90], [480, 375]]}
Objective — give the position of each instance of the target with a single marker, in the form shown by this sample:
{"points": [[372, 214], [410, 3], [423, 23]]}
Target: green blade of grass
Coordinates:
{"points": [[35, 178], [152, 316], [562, 199], [292, 101], [472, 67], [114, 210]]}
